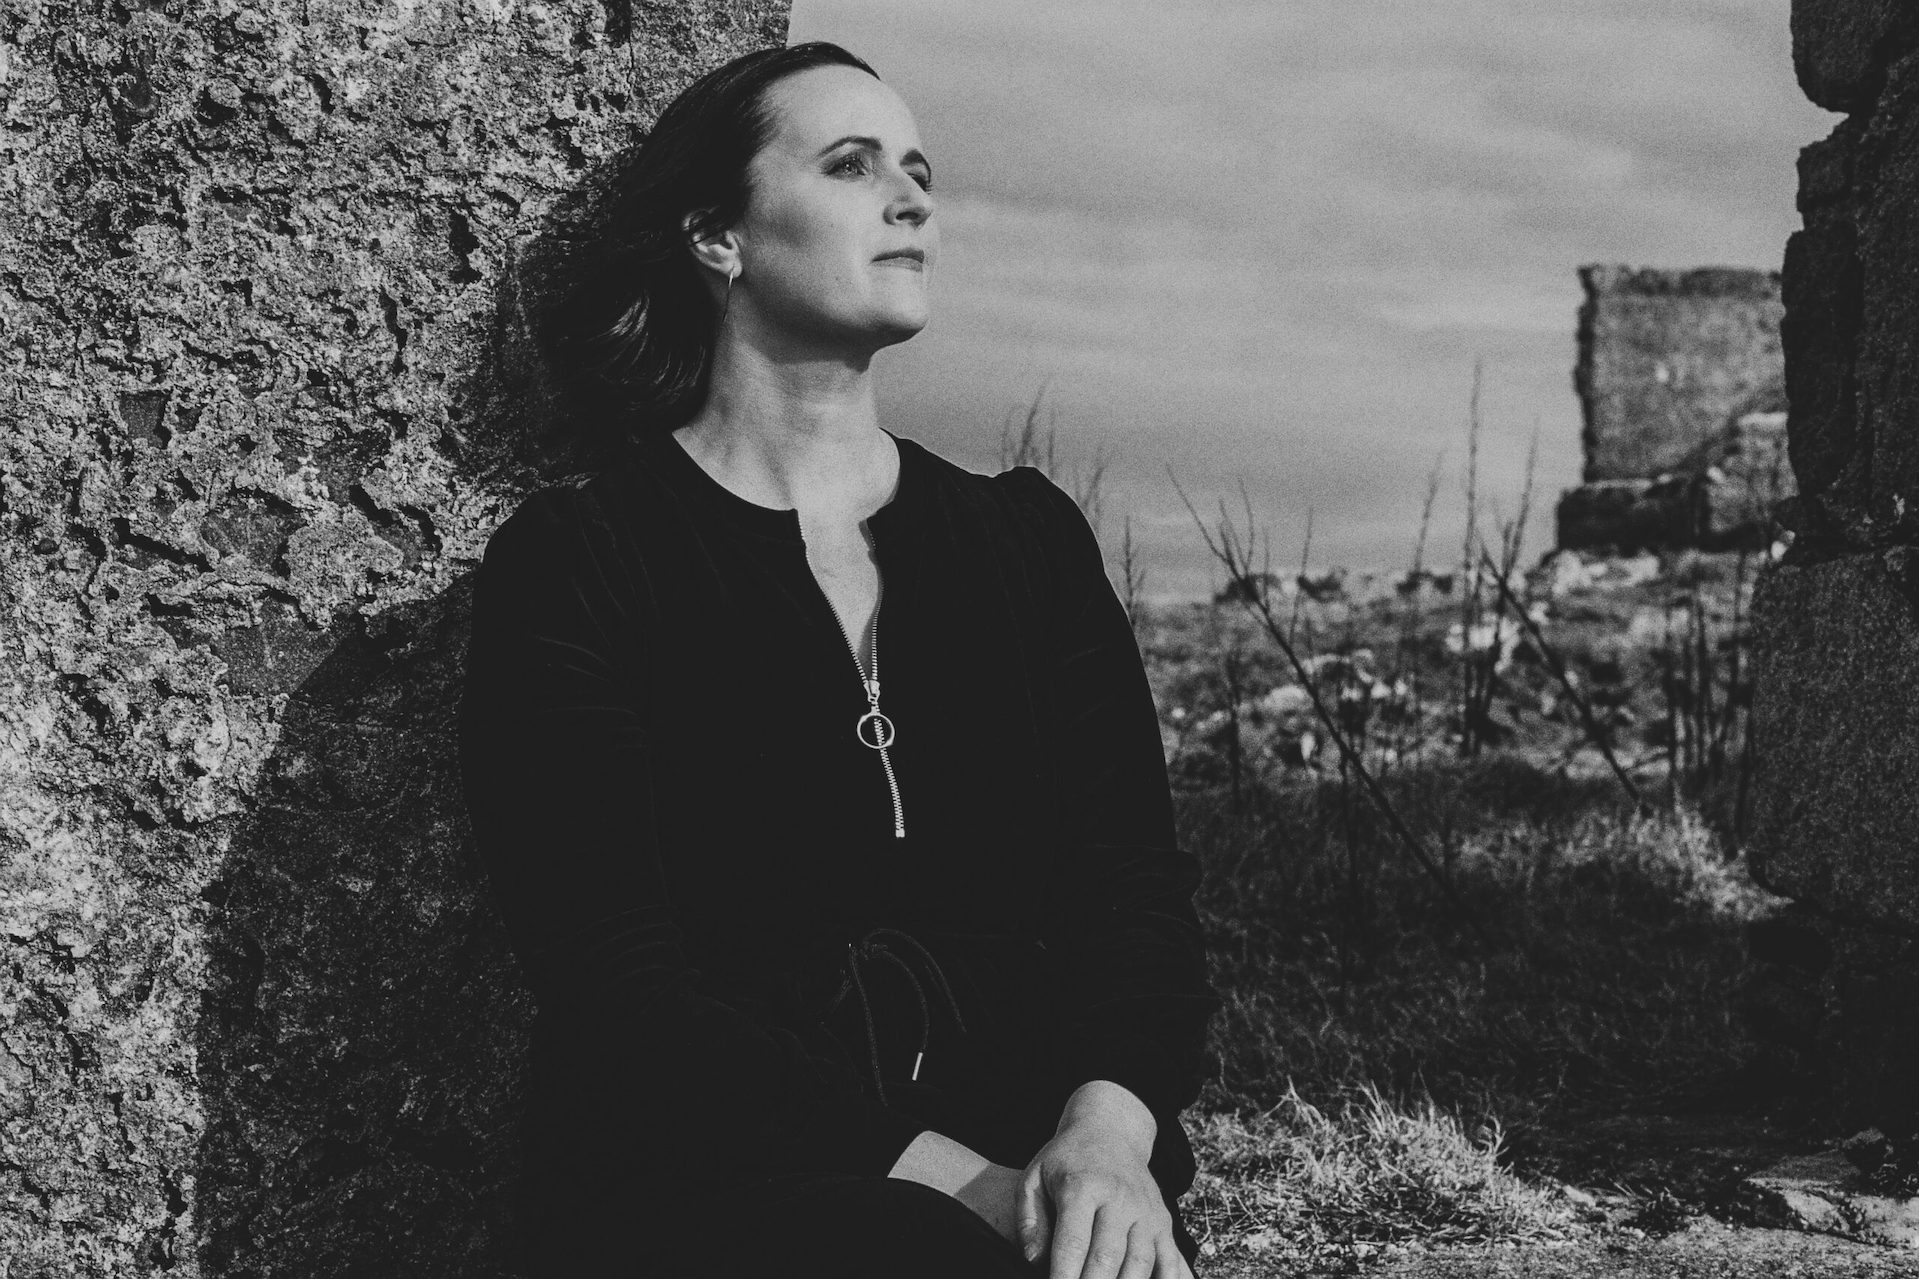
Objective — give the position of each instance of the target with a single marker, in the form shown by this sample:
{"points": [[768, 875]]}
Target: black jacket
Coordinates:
{"points": [[696, 855]]}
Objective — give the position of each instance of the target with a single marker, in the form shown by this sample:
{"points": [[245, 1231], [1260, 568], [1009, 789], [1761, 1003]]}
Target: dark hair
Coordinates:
{"points": [[636, 329]]}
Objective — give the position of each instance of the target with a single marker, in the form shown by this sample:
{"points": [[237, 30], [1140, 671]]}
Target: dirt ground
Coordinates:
{"points": [[1705, 1250]]}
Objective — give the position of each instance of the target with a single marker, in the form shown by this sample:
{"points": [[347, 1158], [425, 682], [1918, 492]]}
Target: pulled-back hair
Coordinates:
{"points": [[637, 326]]}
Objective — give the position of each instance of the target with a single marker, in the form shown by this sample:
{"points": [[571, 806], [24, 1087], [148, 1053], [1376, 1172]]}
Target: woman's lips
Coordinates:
{"points": [[914, 259]]}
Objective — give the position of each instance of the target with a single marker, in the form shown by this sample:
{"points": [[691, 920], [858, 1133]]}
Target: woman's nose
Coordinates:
{"points": [[914, 204]]}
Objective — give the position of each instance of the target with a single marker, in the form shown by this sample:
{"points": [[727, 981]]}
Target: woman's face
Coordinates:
{"points": [[838, 237]]}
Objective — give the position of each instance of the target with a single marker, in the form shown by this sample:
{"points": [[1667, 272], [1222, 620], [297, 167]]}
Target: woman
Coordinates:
{"points": [[850, 959]]}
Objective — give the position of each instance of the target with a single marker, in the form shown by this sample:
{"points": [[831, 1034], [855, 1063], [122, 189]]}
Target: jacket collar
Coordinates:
{"points": [[889, 524]]}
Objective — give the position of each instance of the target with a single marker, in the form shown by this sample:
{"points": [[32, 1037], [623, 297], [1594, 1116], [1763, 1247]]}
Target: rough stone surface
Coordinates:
{"points": [[1825, 1193], [265, 389], [1852, 294], [1836, 655], [1841, 48], [1667, 359], [1835, 739]]}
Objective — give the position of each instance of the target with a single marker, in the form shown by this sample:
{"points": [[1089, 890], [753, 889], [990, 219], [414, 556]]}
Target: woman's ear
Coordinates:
{"points": [[717, 250]]}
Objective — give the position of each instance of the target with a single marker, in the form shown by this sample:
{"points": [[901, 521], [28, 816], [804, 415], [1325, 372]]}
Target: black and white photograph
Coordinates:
{"points": [[1007, 639]]}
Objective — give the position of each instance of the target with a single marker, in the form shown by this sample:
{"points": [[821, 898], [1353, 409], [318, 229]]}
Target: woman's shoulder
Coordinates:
{"points": [[556, 526], [1024, 493], [1035, 525]]}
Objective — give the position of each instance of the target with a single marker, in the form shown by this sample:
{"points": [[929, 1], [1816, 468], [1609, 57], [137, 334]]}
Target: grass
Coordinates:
{"points": [[1350, 985], [1620, 943], [1299, 1179]]}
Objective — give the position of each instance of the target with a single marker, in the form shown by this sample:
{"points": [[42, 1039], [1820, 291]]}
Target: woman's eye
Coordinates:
{"points": [[925, 180], [854, 163]]}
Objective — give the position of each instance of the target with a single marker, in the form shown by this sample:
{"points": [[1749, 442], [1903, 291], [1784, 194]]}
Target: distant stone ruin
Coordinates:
{"points": [[1835, 715], [1682, 384]]}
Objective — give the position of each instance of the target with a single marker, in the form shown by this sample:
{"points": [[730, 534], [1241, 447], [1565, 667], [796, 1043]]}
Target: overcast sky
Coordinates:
{"points": [[1265, 241]]}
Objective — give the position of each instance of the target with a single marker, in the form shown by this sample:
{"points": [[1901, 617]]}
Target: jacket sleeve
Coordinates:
{"points": [[557, 761], [1118, 916]]}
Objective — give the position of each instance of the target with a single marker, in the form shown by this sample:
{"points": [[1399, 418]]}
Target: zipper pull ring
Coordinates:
{"points": [[875, 729]]}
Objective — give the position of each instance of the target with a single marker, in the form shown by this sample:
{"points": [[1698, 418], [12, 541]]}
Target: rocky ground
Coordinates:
{"points": [[1705, 1249]]}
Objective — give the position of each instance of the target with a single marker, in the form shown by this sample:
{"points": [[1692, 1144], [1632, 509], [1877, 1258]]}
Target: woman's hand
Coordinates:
{"points": [[1088, 1205]]}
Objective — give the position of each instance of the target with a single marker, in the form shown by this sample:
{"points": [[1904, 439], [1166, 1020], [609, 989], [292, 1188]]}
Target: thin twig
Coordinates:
{"points": [[1299, 580], [1469, 575], [1558, 667], [1238, 570], [1133, 577], [1409, 634]]}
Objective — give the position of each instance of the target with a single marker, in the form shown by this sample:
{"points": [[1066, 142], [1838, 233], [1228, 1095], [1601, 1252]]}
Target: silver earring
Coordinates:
{"points": [[730, 277]]}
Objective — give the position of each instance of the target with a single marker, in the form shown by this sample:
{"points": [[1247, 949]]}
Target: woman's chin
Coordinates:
{"points": [[898, 325], [908, 327]]}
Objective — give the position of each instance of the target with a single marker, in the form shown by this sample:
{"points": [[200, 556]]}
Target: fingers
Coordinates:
{"points": [[1107, 1252], [1072, 1237], [1030, 1211], [1142, 1253], [1171, 1261]]}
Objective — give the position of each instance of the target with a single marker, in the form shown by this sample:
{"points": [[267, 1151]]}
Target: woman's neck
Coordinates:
{"points": [[795, 433]]}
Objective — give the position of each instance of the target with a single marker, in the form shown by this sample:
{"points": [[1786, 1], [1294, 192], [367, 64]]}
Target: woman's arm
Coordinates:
{"points": [[1118, 919], [558, 767], [1118, 915]]}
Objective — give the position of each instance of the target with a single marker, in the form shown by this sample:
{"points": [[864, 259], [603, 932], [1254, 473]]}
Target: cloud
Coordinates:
{"points": [[1268, 240]]}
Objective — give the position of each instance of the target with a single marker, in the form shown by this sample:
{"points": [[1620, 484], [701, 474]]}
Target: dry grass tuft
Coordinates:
{"points": [[1302, 1180]]}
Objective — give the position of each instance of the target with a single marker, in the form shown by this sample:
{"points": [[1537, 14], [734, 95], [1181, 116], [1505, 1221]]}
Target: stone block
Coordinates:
{"points": [[1851, 282], [1888, 374], [1824, 294], [1666, 358], [1841, 48], [1623, 516], [1835, 738]]}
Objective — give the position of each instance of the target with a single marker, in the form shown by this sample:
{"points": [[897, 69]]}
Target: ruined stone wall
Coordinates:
{"points": [[265, 389], [1680, 381], [1836, 709], [1665, 360]]}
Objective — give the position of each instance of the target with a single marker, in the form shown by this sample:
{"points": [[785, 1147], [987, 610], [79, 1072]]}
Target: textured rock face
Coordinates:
{"points": [[1842, 49], [265, 389], [1837, 655], [1667, 359], [1836, 766]]}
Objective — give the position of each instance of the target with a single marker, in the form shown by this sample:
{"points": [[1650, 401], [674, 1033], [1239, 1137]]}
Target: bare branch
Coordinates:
{"points": [[1256, 596]]}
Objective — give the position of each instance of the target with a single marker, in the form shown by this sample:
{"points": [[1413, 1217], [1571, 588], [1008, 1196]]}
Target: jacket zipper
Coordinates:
{"points": [[875, 721]]}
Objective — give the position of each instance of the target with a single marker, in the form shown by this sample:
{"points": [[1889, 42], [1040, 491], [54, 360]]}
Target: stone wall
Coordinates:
{"points": [[1836, 708], [1680, 384], [1667, 359], [265, 389]]}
